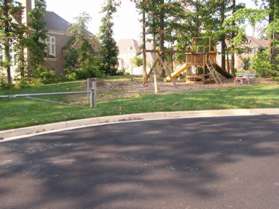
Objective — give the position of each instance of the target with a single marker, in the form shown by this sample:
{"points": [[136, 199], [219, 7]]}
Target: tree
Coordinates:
{"points": [[109, 50], [9, 28], [81, 52], [36, 42], [274, 32]]}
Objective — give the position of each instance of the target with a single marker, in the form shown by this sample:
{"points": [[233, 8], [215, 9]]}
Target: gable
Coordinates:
{"points": [[56, 23]]}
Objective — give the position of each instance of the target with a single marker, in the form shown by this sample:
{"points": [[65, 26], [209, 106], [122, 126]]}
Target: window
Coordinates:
{"points": [[51, 46], [33, 2]]}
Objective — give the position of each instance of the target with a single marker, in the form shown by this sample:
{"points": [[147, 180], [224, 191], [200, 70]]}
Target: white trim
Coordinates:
{"points": [[50, 59], [51, 46], [52, 32]]}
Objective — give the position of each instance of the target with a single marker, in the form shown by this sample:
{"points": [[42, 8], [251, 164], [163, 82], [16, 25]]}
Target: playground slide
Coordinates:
{"points": [[222, 72], [178, 71]]}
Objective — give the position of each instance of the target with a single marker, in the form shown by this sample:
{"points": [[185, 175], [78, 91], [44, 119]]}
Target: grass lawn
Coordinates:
{"points": [[23, 112]]}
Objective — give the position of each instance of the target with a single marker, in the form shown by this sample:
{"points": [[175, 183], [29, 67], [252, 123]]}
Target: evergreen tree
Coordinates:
{"points": [[36, 42], [81, 52], [9, 10], [109, 49]]}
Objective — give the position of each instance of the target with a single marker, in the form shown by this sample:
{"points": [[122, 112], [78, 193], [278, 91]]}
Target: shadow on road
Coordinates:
{"points": [[136, 165]]}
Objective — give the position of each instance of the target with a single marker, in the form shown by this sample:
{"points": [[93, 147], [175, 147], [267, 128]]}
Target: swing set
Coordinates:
{"points": [[200, 64]]}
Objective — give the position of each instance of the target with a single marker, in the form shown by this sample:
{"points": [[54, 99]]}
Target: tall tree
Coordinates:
{"points": [[274, 32], [9, 11], [36, 42], [81, 52], [109, 49]]}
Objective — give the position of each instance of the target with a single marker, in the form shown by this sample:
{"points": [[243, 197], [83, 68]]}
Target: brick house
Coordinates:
{"points": [[57, 38]]}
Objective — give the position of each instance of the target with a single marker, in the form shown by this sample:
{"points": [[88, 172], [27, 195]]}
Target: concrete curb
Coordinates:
{"points": [[20, 133]]}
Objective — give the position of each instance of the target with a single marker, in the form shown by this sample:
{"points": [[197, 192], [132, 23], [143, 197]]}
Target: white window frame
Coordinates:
{"points": [[51, 46]]}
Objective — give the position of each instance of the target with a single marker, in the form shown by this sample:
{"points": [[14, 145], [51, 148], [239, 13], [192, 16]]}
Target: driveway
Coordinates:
{"points": [[217, 163]]}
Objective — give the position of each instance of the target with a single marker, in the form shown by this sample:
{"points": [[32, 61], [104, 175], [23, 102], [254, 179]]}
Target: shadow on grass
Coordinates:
{"points": [[131, 166]]}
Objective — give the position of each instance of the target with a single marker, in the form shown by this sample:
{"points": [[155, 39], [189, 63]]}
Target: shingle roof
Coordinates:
{"points": [[262, 43], [56, 23], [126, 45]]}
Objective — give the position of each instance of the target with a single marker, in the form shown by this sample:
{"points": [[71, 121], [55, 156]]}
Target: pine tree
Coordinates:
{"points": [[9, 10], [36, 42], [81, 52], [109, 49], [274, 33]]}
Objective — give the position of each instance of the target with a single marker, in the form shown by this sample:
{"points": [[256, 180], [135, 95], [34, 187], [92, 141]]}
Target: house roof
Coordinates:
{"points": [[127, 45], [260, 43], [56, 23]]}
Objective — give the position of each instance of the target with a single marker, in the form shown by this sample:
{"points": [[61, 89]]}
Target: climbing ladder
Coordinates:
{"points": [[217, 77]]}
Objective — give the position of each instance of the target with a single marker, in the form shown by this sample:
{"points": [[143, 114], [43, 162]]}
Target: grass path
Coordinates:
{"points": [[22, 112]]}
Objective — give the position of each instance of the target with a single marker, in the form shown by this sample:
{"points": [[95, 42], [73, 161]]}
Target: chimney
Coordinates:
{"points": [[27, 5]]}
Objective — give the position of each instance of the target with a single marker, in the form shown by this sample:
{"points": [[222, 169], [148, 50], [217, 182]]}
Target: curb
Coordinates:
{"points": [[21, 133]]}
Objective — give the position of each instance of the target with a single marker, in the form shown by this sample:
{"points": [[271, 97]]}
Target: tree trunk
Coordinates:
{"points": [[21, 60], [223, 41], [155, 54], [144, 45], [233, 47], [274, 48], [7, 42], [7, 62], [162, 34]]}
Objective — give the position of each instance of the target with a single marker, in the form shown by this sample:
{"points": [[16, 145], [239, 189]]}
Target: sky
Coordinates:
{"points": [[126, 19]]}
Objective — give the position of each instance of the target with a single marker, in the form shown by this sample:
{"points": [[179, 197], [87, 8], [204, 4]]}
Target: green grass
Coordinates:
{"points": [[22, 112], [61, 87]]}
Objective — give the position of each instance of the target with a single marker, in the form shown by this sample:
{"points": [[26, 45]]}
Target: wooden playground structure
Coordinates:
{"points": [[200, 65]]}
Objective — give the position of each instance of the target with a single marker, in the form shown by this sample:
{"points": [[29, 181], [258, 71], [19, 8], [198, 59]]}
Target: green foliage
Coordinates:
{"points": [[9, 31], [28, 83], [261, 64], [109, 50], [137, 61], [71, 58], [46, 75], [3, 83], [246, 63], [81, 53], [36, 41]]}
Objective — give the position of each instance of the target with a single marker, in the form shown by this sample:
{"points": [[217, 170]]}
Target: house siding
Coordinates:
{"points": [[58, 62]]}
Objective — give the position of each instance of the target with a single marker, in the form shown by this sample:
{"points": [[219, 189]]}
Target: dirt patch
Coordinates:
{"points": [[109, 90]]}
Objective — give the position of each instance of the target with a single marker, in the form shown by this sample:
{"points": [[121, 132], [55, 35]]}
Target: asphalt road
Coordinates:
{"points": [[220, 163]]}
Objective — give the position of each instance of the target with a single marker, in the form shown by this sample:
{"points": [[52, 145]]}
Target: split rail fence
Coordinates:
{"points": [[90, 93]]}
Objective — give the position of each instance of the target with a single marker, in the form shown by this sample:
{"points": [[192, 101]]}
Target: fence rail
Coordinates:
{"points": [[91, 93], [12, 96]]}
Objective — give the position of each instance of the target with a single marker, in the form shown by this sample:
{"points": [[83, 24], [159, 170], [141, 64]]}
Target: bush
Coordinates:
{"points": [[47, 76], [89, 69], [3, 83], [26, 83], [137, 61], [261, 64]]}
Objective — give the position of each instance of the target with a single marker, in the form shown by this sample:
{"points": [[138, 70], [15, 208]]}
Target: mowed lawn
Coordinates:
{"points": [[17, 113]]}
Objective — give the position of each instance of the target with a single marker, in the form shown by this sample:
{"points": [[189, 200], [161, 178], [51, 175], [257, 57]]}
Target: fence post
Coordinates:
{"points": [[93, 93]]}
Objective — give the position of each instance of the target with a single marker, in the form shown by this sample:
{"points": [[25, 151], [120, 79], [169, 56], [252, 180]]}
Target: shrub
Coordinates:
{"points": [[89, 69], [26, 83], [3, 83], [261, 64], [246, 63], [47, 76], [137, 61]]}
